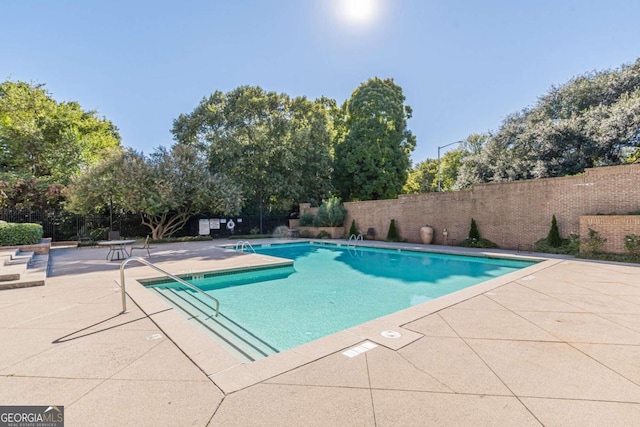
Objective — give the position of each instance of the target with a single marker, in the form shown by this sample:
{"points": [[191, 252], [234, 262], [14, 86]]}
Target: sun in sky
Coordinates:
{"points": [[359, 12]]}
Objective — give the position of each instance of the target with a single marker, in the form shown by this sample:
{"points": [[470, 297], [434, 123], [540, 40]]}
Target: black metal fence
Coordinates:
{"points": [[244, 224], [64, 226]]}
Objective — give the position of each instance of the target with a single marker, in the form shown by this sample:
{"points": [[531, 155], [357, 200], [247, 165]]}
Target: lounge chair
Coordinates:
{"points": [[145, 246]]}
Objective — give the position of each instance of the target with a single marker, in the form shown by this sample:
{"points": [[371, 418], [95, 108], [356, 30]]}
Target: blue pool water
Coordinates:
{"points": [[332, 288]]}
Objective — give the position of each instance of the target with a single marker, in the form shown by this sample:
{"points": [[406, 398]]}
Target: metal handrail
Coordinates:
{"points": [[355, 239], [171, 276], [241, 244]]}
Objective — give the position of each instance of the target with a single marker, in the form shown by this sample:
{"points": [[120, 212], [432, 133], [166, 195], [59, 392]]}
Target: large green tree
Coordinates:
{"points": [[276, 148], [28, 192], [166, 188], [422, 178], [42, 138], [592, 120], [310, 129], [373, 146], [43, 143]]}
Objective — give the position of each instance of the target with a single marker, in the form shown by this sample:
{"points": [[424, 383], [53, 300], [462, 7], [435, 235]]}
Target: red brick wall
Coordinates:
{"points": [[512, 214], [40, 248], [614, 228]]}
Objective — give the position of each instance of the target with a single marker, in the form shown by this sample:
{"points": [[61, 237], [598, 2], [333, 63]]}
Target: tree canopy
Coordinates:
{"points": [[42, 138], [592, 120], [166, 188], [422, 178], [275, 147], [373, 145], [44, 143]]}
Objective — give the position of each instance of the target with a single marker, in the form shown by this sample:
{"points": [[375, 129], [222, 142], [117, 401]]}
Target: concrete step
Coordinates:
{"points": [[23, 283], [7, 254], [237, 340], [11, 272], [13, 263], [33, 274], [19, 258]]}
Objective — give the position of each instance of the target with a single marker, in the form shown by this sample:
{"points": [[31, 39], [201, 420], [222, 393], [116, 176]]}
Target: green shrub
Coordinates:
{"points": [[323, 235], [100, 233], [611, 257], [477, 243], [306, 219], [570, 246], [632, 244], [20, 234], [392, 235], [331, 213], [573, 244], [474, 240], [474, 233], [353, 229], [593, 244], [553, 238]]}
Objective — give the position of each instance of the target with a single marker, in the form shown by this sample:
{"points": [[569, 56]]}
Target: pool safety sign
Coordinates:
{"points": [[31, 416], [214, 224], [203, 227]]}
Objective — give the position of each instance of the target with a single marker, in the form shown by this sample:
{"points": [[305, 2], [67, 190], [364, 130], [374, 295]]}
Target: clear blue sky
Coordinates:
{"points": [[464, 65]]}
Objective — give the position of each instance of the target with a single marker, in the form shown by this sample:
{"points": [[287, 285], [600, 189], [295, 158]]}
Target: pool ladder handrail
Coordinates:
{"points": [[355, 239], [166, 273], [242, 244]]}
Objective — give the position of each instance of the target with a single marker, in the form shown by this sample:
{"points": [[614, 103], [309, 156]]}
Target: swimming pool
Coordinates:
{"points": [[329, 288]]}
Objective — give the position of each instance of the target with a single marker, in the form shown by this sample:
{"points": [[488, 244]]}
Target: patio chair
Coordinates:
{"points": [[145, 246], [371, 234]]}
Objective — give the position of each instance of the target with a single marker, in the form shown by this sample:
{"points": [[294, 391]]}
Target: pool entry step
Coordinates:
{"points": [[236, 339]]}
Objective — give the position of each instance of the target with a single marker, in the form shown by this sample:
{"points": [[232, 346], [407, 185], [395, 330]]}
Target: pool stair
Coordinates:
{"points": [[233, 337], [22, 269]]}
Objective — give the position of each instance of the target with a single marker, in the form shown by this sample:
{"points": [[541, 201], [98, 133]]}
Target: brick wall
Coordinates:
{"points": [[614, 228], [41, 248], [512, 214]]}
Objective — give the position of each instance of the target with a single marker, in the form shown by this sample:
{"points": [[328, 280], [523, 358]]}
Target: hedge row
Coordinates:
{"points": [[20, 234]]}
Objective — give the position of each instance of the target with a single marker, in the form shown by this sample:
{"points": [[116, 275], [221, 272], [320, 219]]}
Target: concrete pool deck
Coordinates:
{"points": [[554, 344]]}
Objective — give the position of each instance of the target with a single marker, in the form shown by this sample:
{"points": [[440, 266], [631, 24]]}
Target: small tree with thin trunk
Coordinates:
{"points": [[166, 189]]}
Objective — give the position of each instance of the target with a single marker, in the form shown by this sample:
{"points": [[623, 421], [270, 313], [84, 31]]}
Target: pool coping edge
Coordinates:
{"points": [[231, 374]]}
